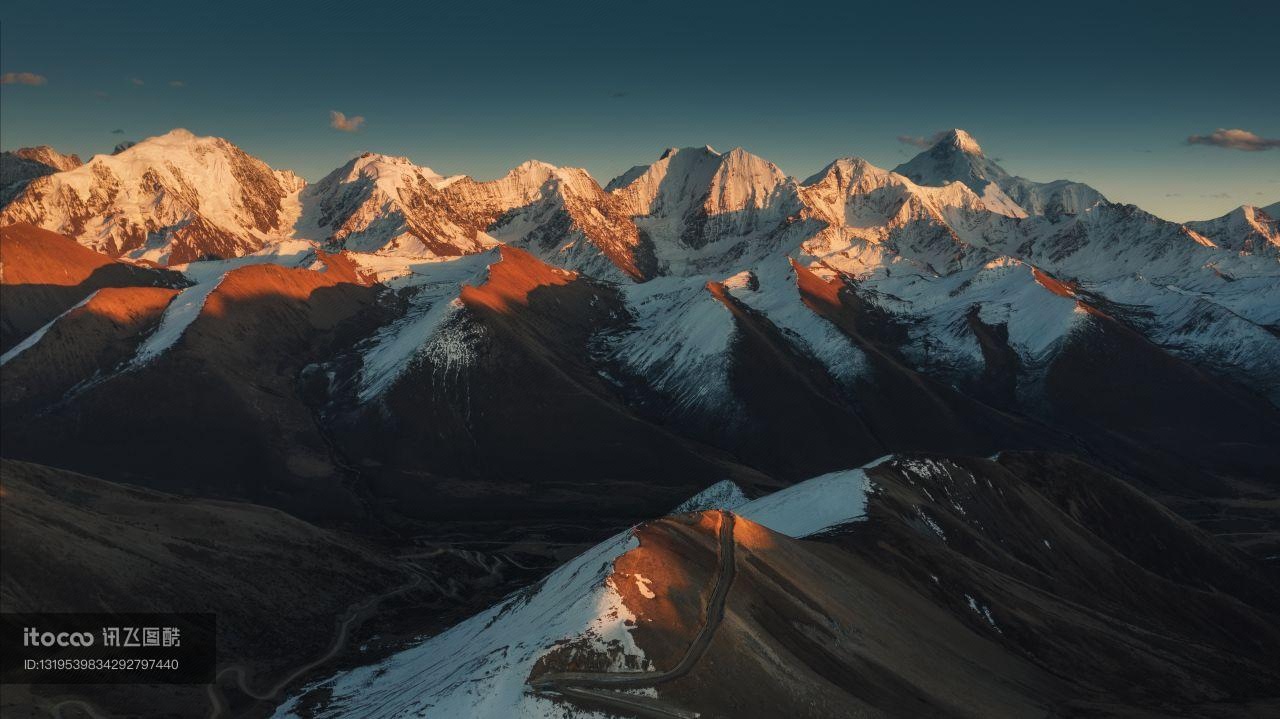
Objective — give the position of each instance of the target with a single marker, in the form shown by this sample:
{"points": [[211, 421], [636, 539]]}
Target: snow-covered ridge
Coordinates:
{"points": [[169, 199], [1246, 229], [392, 350], [181, 312], [919, 240], [479, 667], [816, 504]]}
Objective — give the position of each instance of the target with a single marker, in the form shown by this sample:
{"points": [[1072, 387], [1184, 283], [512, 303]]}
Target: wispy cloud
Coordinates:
{"points": [[137, 81], [22, 78], [177, 83], [925, 142], [340, 121], [117, 131], [1236, 139]]}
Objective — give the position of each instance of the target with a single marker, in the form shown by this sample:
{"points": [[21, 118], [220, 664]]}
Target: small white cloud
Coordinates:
{"points": [[22, 78], [1236, 139], [340, 121], [177, 83], [137, 81]]}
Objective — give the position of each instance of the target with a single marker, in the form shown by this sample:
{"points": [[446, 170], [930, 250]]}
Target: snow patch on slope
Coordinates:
{"points": [[181, 312], [36, 336], [289, 253], [812, 505], [680, 340], [436, 289], [478, 668]]}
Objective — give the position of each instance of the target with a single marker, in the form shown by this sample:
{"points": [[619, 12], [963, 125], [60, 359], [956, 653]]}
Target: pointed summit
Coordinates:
{"points": [[1247, 229], [962, 141], [19, 167], [956, 156], [171, 199]]}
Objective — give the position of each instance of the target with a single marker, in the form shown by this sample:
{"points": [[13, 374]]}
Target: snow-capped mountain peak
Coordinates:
{"points": [[743, 180], [171, 198], [388, 171], [1246, 229], [962, 141], [955, 157], [46, 155], [695, 180], [21, 166], [524, 182]]}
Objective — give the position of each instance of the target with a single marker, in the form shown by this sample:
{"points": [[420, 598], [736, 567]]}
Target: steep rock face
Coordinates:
{"points": [[169, 199], [21, 166], [700, 207], [389, 206], [573, 223], [1124, 397], [382, 204]]}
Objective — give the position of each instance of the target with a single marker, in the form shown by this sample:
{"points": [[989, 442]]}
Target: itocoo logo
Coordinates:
{"points": [[32, 637]]}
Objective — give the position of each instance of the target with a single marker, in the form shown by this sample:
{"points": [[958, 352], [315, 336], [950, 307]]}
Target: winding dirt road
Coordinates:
{"points": [[602, 687], [218, 703], [355, 614]]}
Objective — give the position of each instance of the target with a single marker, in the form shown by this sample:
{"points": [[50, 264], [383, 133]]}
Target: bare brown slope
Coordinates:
{"points": [[86, 344], [220, 413], [520, 424], [1126, 397], [72, 543], [43, 274], [968, 591]]}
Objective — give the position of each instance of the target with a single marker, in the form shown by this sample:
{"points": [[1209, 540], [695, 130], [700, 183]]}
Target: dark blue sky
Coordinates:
{"points": [[1105, 93]]}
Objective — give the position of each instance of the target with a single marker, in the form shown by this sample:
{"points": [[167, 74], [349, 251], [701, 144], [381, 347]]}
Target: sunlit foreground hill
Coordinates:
{"points": [[913, 587]]}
